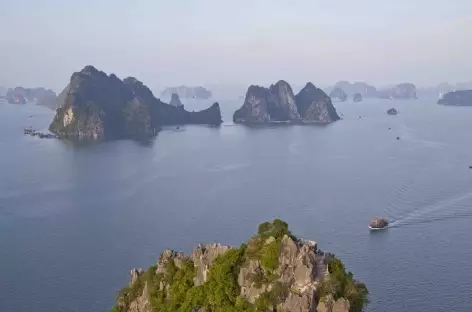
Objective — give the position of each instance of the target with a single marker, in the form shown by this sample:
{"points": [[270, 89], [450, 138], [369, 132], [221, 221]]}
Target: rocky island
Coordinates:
{"points": [[41, 96], [187, 92], [273, 271], [278, 104], [357, 97], [364, 89], [338, 94], [457, 98], [97, 106], [392, 111], [175, 100], [402, 91]]}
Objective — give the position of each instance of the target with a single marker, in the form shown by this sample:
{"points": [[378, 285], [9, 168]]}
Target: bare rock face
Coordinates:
{"points": [[300, 269], [135, 274], [249, 289], [281, 102], [278, 104], [142, 303], [167, 256], [304, 302], [298, 263], [203, 256], [255, 108]]}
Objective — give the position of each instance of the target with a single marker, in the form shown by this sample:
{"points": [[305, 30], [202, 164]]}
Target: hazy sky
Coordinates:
{"points": [[173, 42]]}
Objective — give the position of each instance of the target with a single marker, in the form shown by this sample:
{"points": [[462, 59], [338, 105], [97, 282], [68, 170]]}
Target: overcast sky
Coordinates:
{"points": [[173, 42]]}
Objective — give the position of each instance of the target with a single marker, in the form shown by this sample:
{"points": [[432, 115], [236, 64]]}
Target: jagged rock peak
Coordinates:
{"points": [[314, 105], [273, 271], [309, 86], [90, 70], [282, 84], [203, 256], [131, 81], [278, 104]]}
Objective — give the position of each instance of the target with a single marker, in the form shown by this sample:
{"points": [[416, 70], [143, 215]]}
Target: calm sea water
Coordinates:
{"points": [[75, 219]]}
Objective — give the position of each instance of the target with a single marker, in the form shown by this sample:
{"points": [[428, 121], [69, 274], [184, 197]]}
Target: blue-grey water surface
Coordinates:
{"points": [[74, 219]]}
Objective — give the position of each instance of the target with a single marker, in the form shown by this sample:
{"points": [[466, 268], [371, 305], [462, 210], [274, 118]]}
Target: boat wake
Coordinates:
{"points": [[451, 208]]}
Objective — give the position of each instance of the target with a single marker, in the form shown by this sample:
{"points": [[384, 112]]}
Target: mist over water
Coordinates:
{"points": [[74, 219]]}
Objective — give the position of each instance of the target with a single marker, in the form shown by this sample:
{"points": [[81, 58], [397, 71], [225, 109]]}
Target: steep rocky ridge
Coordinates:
{"points": [[273, 271], [96, 106], [278, 104]]}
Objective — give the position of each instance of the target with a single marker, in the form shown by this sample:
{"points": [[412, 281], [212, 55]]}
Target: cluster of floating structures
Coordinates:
{"points": [[41, 135]]}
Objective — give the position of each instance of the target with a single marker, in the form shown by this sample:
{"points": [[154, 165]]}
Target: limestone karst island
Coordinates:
{"points": [[273, 271], [97, 106]]}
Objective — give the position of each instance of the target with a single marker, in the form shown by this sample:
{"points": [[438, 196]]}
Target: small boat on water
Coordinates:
{"points": [[378, 224]]}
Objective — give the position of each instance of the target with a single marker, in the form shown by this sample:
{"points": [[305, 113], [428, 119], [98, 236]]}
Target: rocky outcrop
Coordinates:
{"points": [[41, 96], [274, 271], [202, 257], [364, 89], [278, 104], [16, 98], [187, 92], [175, 100], [392, 111], [314, 105], [338, 94], [97, 106], [457, 98], [402, 91], [357, 97]]}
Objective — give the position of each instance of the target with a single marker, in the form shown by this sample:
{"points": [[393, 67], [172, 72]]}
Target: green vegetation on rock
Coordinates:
{"points": [[265, 246], [341, 284], [171, 286]]}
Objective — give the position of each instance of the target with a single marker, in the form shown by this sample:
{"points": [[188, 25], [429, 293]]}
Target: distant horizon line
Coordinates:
{"points": [[161, 87]]}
